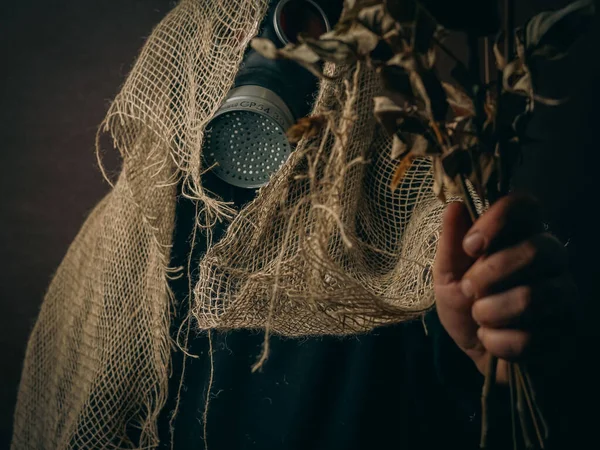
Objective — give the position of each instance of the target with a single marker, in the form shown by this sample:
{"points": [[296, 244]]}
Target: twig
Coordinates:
{"points": [[513, 419], [522, 417], [530, 405], [486, 48], [508, 27], [490, 380], [535, 403]]}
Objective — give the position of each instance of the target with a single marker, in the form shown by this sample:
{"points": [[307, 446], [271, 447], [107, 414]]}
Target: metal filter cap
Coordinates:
{"points": [[246, 140]]}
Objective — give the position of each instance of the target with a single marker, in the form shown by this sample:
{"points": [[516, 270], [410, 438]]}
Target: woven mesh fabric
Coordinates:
{"points": [[325, 248]]}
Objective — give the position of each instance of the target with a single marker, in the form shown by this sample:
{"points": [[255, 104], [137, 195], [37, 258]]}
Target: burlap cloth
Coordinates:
{"points": [[326, 247]]}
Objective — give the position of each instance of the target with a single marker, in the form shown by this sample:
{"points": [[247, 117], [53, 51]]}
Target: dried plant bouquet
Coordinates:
{"points": [[472, 129]]}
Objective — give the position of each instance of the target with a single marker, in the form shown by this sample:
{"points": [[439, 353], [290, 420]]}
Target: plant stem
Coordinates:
{"points": [[532, 410], [490, 380], [508, 27], [486, 60], [513, 419], [534, 400], [522, 416]]}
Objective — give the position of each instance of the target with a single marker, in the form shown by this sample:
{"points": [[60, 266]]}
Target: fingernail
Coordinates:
{"points": [[474, 243], [480, 333], [467, 288]]}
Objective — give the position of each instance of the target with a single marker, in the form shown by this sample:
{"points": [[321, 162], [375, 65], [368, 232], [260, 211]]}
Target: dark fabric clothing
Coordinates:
{"points": [[397, 387]]}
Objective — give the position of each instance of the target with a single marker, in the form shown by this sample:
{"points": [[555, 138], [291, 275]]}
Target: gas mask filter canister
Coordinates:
{"points": [[246, 139]]}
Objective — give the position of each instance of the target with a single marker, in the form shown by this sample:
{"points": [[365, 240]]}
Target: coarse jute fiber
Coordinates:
{"points": [[325, 248]]}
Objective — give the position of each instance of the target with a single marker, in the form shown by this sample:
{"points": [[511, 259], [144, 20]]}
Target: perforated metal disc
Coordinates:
{"points": [[247, 146]]}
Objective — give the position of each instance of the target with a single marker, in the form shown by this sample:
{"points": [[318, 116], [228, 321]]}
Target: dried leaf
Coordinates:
{"points": [[401, 170], [353, 7], [425, 85], [407, 62], [550, 34], [307, 127], [265, 47], [428, 59], [463, 132], [420, 146], [330, 50], [500, 59], [400, 120], [361, 38], [452, 187], [378, 20], [516, 79], [462, 105], [399, 147], [388, 113], [490, 111], [522, 84], [350, 13], [302, 54], [549, 101]]}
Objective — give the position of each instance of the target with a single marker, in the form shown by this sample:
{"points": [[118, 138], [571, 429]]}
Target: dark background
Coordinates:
{"points": [[62, 63]]}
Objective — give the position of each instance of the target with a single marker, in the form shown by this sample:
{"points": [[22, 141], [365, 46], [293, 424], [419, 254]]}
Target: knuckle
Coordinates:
{"points": [[527, 252], [522, 297], [494, 263]]}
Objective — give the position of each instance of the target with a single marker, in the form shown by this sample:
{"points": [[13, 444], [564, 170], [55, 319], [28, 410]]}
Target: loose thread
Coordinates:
{"points": [[208, 389], [184, 348], [103, 126], [266, 343]]}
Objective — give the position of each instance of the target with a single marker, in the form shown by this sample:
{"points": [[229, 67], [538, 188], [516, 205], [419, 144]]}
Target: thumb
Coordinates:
{"points": [[451, 261]]}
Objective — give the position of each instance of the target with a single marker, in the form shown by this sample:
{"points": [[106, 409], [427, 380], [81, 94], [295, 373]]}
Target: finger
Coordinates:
{"points": [[509, 220], [454, 310], [507, 344], [451, 261], [541, 256], [535, 306]]}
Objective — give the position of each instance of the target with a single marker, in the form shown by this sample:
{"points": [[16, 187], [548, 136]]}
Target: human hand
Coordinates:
{"points": [[502, 284]]}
